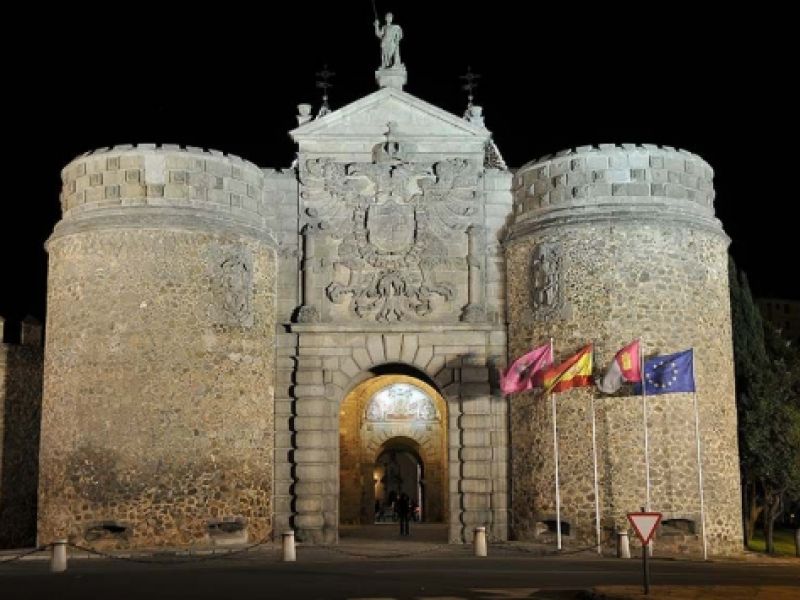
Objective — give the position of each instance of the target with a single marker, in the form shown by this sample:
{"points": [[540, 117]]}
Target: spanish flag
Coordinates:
{"points": [[574, 372]]}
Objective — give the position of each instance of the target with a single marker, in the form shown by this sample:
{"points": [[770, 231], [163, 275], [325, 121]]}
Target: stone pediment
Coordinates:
{"points": [[367, 119]]}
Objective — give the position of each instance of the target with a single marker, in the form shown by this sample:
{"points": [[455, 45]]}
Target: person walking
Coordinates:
{"points": [[404, 512]]}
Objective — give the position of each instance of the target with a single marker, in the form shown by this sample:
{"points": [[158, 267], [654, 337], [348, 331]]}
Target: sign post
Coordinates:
{"points": [[645, 524]]}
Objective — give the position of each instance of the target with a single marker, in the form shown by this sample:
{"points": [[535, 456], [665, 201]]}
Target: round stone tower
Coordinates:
{"points": [[607, 245], [157, 418]]}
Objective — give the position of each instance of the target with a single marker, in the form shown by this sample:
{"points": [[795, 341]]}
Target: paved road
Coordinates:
{"points": [[257, 575]]}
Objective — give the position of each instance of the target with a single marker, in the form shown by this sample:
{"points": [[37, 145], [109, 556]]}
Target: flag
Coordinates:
{"points": [[668, 374], [576, 371], [523, 373], [624, 367]]}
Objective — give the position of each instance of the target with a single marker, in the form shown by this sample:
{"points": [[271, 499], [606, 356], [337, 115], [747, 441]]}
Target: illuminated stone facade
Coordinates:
{"points": [[609, 244], [219, 335], [157, 419]]}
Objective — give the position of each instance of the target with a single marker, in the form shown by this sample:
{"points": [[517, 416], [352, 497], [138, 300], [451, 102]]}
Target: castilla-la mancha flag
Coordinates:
{"points": [[626, 366], [574, 372], [523, 374]]}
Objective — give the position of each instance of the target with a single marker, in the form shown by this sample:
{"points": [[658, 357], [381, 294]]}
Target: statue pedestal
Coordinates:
{"points": [[395, 77]]}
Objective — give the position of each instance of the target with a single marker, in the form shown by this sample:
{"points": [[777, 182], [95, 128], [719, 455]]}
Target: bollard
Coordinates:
{"points": [[797, 542], [58, 556], [623, 546], [289, 554], [479, 541]]}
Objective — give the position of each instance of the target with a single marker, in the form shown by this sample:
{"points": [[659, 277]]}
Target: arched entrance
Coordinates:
{"points": [[392, 439], [399, 470]]}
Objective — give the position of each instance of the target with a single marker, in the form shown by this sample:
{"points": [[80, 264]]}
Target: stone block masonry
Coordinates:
{"points": [[217, 333], [20, 414], [608, 269], [453, 358], [157, 423]]}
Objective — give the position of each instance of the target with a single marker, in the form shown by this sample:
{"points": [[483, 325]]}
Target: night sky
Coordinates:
{"points": [[229, 78]]}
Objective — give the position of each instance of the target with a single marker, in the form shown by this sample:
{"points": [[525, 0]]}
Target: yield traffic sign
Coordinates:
{"points": [[644, 524]]}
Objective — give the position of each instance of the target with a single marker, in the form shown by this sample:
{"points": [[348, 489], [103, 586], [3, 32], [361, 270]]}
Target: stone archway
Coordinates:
{"points": [[383, 413], [399, 469], [330, 364]]}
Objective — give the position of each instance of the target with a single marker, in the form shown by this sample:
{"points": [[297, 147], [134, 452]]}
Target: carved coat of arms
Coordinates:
{"points": [[395, 221], [232, 271], [545, 278], [391, 227]]}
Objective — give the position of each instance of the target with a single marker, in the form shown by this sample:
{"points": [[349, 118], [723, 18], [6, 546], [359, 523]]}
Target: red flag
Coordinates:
{"points": [[626, 366], [523, 374], [576, 371]]}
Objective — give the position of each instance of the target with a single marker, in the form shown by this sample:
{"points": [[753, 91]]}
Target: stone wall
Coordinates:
{"points": [[20, 414], [157, 424], [608, 245]]}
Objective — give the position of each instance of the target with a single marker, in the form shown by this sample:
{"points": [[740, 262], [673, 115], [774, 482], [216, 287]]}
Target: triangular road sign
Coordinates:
{"points": [[644, 524]]}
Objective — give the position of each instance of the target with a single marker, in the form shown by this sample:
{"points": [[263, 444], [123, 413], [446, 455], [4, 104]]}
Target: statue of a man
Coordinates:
{"points": [[390, 35]]}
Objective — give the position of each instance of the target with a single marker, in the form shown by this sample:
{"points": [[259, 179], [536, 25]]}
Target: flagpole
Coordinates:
{"points": [[596, 488], [555, 456], [699, 463], [644, 417]]}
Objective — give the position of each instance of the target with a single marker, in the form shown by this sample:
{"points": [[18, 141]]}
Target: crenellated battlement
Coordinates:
{"points": [[29, 333], [166, 176], [163, 148], [618, 148], [630, 177]]}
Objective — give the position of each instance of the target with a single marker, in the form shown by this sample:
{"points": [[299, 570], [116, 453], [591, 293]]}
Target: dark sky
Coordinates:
{"points": [[228, 76]]}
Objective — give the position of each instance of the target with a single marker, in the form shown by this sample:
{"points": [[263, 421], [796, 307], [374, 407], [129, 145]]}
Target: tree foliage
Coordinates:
{"points": [[768, 404]]}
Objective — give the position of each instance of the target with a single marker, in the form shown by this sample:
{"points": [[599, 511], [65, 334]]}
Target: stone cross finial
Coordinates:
{"points": [[324, 83], [473, 113], [470, 85]]}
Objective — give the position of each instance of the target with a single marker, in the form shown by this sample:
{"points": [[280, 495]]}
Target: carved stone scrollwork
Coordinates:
{"points": [[233, 271], [390, 295], [545, 278], [397, 222]]}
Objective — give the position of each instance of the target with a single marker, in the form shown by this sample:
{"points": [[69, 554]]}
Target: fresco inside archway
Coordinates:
{"points": [[392, 417]]}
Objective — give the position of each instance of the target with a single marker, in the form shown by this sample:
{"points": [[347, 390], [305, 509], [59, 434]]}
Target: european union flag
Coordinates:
{"points": [[668, 374]]}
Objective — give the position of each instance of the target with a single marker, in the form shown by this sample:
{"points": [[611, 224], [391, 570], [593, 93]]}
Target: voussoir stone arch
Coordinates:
{"points": [[382, 350]]}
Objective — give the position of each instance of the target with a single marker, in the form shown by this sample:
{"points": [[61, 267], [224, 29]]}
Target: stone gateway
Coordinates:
{"points": [[234, 351]]}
